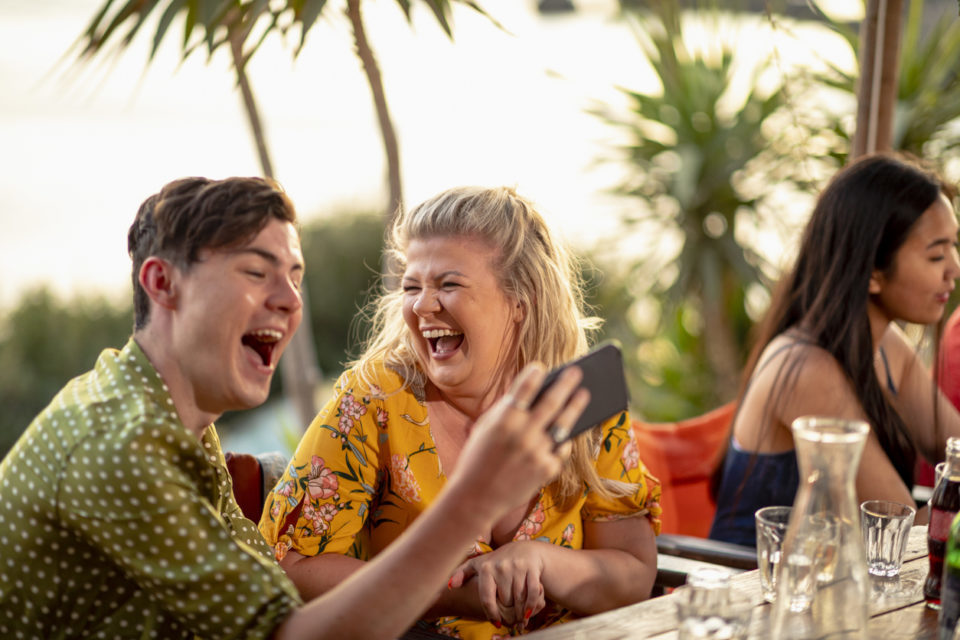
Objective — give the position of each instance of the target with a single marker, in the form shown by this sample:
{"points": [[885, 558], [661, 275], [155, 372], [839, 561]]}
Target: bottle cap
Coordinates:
{"points": [[953, 445]]}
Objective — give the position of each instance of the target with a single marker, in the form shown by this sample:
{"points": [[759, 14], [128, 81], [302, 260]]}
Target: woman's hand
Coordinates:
{"points": [[508, 581]]}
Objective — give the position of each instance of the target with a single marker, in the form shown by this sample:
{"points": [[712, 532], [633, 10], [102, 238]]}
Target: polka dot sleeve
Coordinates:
{"points": [[151, 506]]}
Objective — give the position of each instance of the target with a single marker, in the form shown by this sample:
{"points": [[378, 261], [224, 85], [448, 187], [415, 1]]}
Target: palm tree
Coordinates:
{"points": [[212, 23], [693, 164]]}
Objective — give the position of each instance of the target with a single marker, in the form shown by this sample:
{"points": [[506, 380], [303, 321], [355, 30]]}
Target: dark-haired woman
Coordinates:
{"points": [[880, 248]]}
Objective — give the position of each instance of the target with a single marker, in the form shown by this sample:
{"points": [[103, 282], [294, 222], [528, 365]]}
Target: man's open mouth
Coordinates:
{"points": [[443, 340], [263, 341]]}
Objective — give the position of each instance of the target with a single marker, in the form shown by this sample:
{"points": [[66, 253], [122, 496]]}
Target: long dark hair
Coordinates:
{"points": [[860, 221]]}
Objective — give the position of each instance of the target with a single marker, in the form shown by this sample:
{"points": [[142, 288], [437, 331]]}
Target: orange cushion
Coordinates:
{"points": [[683, 456]]}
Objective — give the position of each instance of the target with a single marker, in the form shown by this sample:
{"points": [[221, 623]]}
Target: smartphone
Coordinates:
{"points": [[603, 377]]}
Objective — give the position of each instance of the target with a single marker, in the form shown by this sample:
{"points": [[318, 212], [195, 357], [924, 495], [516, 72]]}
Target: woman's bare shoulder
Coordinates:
{"points": [[809, 380], [804, 357]]}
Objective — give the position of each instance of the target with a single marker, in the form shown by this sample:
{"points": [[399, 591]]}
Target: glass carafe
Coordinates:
{"points": [[823, 586]]}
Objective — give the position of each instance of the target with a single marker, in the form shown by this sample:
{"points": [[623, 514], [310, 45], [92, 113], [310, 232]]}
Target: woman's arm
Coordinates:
{"points": [[616, 563], [822, 388], [914, 400], [315, 575], [617, 566]]}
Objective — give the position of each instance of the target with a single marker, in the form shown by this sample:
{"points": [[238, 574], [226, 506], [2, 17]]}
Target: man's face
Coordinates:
{"points": [[236, 311]]}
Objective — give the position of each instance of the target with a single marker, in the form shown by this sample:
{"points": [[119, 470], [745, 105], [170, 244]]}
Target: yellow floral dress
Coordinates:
{"points": [[368, 466]]}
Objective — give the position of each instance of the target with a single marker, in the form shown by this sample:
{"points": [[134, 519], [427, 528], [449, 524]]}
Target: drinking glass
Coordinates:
{"points": [[771, 529], [886, 528], [709, 608]]}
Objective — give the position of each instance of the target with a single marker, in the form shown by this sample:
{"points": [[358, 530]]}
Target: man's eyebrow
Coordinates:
{"points": [[268, 256]]}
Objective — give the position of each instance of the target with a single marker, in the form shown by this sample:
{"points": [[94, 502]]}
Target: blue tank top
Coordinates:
{"points": [[773, 480]]}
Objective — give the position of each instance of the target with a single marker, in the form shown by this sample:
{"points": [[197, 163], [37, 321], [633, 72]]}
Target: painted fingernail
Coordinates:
{"points": [[450, 583], [497, 624], [527, 614]]}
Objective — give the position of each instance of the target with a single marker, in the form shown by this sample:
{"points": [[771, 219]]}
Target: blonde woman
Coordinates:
{"points": [[484, 289]]}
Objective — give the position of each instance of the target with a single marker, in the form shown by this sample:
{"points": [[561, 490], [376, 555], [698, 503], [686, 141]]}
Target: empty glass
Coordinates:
{"points": [[771, 529], [707, 607], [886, 527]]}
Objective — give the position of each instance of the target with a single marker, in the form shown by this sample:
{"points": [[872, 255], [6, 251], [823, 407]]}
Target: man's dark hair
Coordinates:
{"points": [[193, 214]]}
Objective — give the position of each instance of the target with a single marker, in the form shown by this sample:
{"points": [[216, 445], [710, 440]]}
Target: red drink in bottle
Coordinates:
{"points": [[944, 505]]}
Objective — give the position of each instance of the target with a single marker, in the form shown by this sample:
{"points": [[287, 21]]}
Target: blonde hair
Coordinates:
{"points": [[534, 269]]}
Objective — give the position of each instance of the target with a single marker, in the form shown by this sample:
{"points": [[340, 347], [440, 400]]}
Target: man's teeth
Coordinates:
{"points": [[266, 335], [440, 333]]}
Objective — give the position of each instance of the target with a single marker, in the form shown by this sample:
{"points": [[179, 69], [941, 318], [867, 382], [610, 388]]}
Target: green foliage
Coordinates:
{"points": [[699, 166], [212, 23], [343, 264], [665, 370], [927, 116], [44, 342]]}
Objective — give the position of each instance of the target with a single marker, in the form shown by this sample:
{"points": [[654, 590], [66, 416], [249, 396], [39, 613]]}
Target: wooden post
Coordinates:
{"points": [[879, 68]]}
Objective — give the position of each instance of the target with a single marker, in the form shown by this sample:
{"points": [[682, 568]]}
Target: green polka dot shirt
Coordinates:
{"points": [[116, 522]]}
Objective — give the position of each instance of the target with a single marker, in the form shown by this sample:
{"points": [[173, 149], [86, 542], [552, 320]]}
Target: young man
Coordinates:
{"points": [[117, 517]]}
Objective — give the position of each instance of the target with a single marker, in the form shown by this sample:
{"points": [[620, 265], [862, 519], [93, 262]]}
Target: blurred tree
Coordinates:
{"points": [[44, 343], [212, 23], [927, 117], [665, 371], [343, 257], [700, 164]]}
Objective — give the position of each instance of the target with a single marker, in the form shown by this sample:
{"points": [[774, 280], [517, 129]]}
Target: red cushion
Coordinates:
{"points": [[247, 477]]}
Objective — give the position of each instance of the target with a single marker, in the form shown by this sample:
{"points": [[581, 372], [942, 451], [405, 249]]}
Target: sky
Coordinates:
{"points": [[82, 145]]}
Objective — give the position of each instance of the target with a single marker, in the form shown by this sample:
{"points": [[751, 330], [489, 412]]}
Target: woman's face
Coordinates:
{"points": [[918, 284], [462, 324]]}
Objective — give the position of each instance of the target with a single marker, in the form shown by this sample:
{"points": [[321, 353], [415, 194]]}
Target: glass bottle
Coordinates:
{"points": [[823, 586], [950, 586], [944, 504]]}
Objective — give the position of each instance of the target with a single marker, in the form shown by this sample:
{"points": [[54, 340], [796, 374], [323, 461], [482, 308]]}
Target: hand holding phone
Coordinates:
{"points": [[604, 378]]}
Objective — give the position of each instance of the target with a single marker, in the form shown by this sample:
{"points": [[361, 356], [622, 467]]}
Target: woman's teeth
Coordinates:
{"points": [[440, 333]]}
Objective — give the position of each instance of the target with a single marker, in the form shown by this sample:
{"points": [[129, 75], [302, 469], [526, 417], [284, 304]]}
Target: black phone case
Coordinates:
{"points": [[603, 377]]}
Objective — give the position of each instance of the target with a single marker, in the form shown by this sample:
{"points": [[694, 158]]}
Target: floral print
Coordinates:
{"points": [[350, 410], [319, 517], [631, 453], [355, 492], [322, 483], [404, 483], [532, 524]]}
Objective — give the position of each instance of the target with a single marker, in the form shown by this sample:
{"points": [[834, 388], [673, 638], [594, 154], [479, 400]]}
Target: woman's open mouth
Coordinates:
{"points": [[443, 341]]}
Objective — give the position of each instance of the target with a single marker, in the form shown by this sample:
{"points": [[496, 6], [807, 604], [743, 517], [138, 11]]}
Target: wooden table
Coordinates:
{"points": [[897, 609]]}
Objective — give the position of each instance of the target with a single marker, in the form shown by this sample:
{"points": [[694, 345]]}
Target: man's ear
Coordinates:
{"points": [[158, 277], [876, 282]]}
